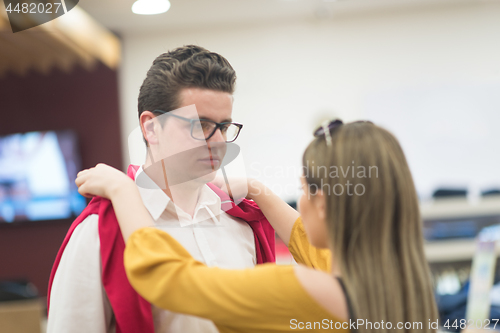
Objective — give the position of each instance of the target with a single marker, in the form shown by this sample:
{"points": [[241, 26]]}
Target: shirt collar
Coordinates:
{"points": [[156, 201], [209, 200], [152, 195]]}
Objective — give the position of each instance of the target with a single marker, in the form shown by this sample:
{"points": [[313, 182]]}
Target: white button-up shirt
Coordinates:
{"points": [[78, 302]]}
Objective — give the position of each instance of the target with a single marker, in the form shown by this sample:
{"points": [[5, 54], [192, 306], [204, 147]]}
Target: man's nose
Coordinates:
{"points": [[217, 137]]}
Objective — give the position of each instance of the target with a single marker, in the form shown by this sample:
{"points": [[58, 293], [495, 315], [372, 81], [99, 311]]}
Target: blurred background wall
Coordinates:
{"points": [[430, 74]]}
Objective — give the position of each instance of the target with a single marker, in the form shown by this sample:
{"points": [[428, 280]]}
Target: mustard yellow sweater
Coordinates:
{"points": [[267, 298]]}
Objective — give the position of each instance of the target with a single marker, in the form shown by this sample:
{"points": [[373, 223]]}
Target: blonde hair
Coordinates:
{"points": [[375, 235]]}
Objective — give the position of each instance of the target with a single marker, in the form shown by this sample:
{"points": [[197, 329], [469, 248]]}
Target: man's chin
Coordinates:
{"points": [[207, 178]]}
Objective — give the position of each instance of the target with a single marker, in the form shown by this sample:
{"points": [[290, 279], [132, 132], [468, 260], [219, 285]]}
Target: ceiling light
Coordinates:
{"points": [[150, 7]]}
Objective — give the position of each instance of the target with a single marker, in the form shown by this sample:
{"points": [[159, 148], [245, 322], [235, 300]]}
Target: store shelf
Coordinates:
{"points": [[459, 208], [453, 250]]}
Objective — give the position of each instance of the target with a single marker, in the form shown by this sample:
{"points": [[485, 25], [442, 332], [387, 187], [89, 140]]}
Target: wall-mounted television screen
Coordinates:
{"points": [[37, 176]]}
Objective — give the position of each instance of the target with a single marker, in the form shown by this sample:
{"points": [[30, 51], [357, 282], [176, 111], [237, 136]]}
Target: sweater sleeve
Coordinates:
{"points": [[264, 298], [78, 301], [304, 253]]}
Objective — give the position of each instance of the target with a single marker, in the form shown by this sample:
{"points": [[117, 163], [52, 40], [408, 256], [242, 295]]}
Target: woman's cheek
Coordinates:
{"points": [[314, 227], [305, 211], [302, 205]]}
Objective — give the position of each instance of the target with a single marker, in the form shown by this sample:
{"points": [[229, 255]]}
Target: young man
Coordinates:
{"points": [[185, 107]]}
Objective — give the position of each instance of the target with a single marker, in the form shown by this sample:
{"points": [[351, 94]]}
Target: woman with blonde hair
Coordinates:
{"points": [[358, 241]]}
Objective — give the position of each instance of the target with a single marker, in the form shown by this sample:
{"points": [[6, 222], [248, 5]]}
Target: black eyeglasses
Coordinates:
{"points": [[328, 126], [204, 129]]}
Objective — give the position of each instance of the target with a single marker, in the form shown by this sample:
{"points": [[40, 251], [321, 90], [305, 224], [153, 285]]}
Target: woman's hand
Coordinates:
{"points": [[102, 180], [278, 212], [239, 187], [112, 184]]}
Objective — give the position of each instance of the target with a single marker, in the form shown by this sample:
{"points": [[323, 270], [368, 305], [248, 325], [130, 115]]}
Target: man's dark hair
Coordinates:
{"points": [[189, 66]]}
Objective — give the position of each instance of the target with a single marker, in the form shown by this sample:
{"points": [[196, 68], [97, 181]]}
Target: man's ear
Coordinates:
{"points": [[320, 204], [149, 125]]}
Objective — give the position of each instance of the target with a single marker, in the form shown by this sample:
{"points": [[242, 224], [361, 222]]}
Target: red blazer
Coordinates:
{"points": [[132, 312]]}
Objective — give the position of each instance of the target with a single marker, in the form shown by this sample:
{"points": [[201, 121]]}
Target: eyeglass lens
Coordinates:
{"points": [[202, 130]]}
